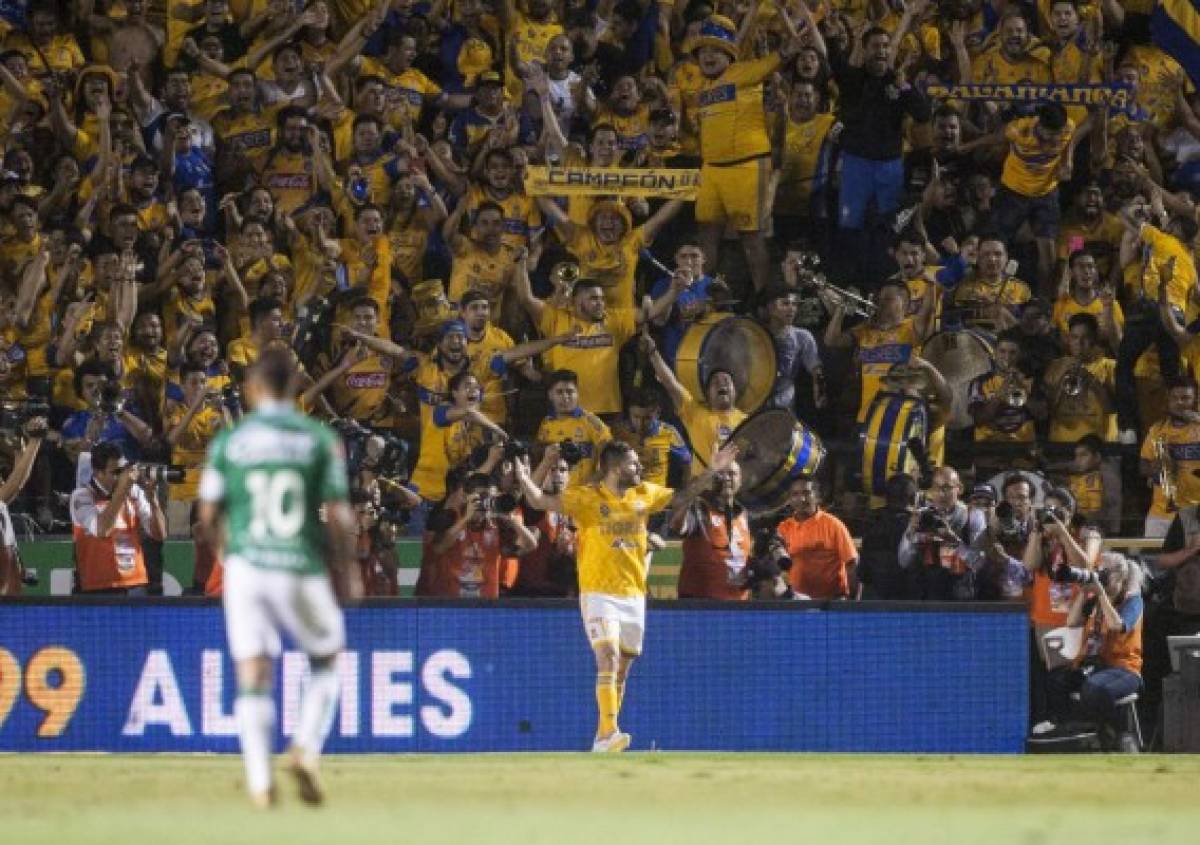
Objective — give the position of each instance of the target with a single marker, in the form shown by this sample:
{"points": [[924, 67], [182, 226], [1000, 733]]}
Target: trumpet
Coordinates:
{"points": [[1166, 472], [1074, 381], [564, 274], [854, 303]]}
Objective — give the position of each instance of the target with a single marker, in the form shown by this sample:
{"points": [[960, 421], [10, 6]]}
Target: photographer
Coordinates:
{"points": [[716, 539], [1060, 539], [939, 548], [766, 575], [466, 550], [378, 530], [1108, 606], [1004, 577], [105, 419], [11, 571], [108, 515]]}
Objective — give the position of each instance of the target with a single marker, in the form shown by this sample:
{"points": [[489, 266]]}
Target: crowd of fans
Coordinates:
{"points": [[187, 183]]}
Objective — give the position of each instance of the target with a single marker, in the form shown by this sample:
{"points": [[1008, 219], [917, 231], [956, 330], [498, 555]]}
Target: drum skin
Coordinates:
{"points": [[737, 345], [774, 449], [960, 356], [893, 420]]}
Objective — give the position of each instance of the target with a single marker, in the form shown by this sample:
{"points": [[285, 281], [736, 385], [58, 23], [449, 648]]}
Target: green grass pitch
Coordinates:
{"points": [[661, 798]]}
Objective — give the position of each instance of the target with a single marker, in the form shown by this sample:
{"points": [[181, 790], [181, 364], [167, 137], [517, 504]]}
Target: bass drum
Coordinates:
{"points": [[960, 356], [774, 449], [737, 345]]}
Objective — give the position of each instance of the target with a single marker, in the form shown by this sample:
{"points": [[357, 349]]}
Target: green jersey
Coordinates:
{"points": [[271, 473]]}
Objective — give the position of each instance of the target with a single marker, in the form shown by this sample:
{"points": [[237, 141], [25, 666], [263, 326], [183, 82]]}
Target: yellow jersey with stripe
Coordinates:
{"points": [[1070, 64], [527, 40], [877, 350], [1031, 167], [409, 239], [149, 365], [1072, 417], [1182, 441], [1101, 239], [612, 265], [633, 130], [404, 93], [179, 307], [611, 556], [803, 144], [992, 66], [1066, 307], [683, 89], [654, 449], [707, 429], [250, 133], [733, 122], [587, 431], [592, 354], [975, 291], [1159, 249], [1159, 78], [521, 216], [492, 341], [361, 392]]}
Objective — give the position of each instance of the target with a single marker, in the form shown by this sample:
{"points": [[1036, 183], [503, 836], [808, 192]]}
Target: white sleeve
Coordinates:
{"points": [[212, 485], [145, 513], [83, 470], [810, 355], [84, 512]]}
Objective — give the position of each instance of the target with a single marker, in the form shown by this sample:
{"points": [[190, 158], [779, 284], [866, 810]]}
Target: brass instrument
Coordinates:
{"points": [[1074, 381], [565, 274], [854, 303], [1013, 392], [1166, 472]]}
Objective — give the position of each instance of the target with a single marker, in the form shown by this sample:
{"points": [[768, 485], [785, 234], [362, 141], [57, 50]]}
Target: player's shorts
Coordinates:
{"points": [[619, 619], [735, 193], [262, 604]]}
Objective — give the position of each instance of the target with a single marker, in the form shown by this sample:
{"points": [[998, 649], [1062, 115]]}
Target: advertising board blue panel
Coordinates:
{"points": [[513, 677]]}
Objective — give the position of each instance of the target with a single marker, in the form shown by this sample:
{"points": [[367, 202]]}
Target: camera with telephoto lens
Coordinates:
{"points": [[570, 451], [1074, 575], [514, 449], [158, 473], [14, 415], [314, 321], [231, 396], [383, 454], [503, 504], [1008, 527], [769, 558], [112, 399]]}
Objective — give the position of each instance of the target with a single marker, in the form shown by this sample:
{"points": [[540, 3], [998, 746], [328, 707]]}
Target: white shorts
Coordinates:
{"points": [[614, 619], [261, 604]]}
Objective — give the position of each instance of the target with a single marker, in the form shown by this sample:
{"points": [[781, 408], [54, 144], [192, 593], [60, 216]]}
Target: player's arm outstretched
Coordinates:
{"points": [[534, 494]]}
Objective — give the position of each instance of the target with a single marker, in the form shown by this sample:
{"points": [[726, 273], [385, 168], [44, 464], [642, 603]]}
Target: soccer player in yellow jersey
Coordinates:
{"points": [[735, 145], [611, 515], [1179, 437]]}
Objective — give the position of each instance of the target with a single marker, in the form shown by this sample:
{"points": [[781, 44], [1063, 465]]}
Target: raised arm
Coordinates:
{"points": [[524, 290], [678, 393]]}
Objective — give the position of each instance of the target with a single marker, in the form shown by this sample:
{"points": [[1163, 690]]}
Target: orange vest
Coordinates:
{"points": [[706, 552], [1119, 649], [96, 558], [471, 568]]}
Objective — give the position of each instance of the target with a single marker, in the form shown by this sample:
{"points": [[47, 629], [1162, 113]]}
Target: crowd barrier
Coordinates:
{"points": [[426, 676], [53, 562]]}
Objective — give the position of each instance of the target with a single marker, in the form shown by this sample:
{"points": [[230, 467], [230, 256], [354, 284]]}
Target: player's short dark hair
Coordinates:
{"points": [[1078, 254], [602, 127], [288, 112], [612, 452], [473, 295], [276, 371], [488, 205], [874, 32], [458, 378], [559, 376], [262, 307], [103, 453], [364, 302], [1012, 480], [1181, 381], [478, 481]]}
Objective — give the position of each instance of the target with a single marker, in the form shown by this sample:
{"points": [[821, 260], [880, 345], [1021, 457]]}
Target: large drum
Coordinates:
{"points": [[960, 356], [893, 423], [737, 345], [774, 449]]}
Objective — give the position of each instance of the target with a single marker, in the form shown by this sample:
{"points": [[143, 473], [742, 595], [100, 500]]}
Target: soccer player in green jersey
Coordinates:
{"points": [[269, 480]]}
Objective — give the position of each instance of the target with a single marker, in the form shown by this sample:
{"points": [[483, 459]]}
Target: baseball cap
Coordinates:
{"points": [[983, 491]]}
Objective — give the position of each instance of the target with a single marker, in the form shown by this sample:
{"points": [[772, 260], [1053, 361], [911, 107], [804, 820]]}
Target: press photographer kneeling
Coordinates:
{"points": [[1108, 607], [12, 573]]}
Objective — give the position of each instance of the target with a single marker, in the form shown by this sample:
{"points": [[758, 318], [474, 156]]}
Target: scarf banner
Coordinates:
{"points": [[1116, 96], [665, 182]]}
